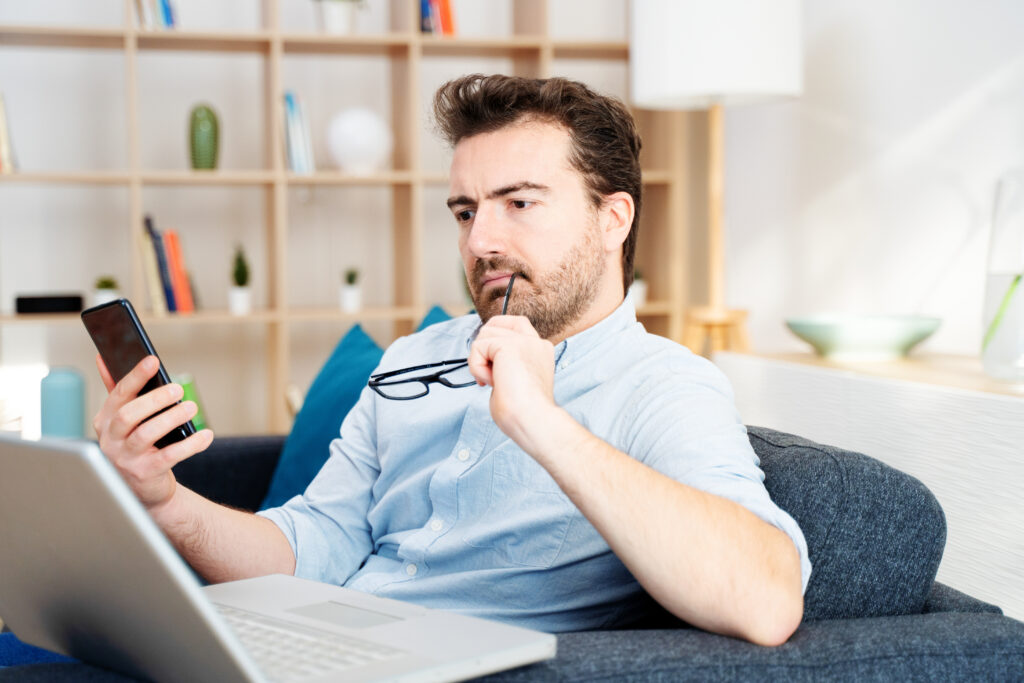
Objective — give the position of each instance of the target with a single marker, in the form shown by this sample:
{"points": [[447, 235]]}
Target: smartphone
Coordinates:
{"points": [[122, 343]]}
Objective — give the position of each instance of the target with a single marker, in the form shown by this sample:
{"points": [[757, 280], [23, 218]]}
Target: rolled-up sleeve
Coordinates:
{"points": [[691, 431], [327, 525]]}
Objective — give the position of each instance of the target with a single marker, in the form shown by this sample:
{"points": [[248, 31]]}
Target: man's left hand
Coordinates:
{"points": [[510, 356]]}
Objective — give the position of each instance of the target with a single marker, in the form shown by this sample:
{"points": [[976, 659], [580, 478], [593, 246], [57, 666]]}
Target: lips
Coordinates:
{"points": [[494, 279]]}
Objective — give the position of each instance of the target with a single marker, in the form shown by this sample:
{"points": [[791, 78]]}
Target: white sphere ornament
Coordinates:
{"points": [[359, 141]]}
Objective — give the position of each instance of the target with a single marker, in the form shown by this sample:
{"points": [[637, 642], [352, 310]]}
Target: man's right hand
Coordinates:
{"points": [[128, 437]]}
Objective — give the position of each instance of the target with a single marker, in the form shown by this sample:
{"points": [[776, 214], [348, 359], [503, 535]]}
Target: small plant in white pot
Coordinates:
{"points": [[240, 294], [105, 290], [350, 296], [338, 16], [638, 289]]}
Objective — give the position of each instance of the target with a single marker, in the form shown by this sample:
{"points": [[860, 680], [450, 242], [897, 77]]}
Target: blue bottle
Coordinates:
{"points": [[62, 399]]}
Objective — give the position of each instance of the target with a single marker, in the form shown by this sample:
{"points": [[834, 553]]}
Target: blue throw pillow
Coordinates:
{"points": [[333, 393]]}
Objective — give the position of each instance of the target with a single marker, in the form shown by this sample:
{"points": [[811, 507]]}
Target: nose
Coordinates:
{"points": [[487, 235]]}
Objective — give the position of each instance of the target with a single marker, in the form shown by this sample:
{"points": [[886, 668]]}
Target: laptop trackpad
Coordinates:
{"points": [[343, 615]]}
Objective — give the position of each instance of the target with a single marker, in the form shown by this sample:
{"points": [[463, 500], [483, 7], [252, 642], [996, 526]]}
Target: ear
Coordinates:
{"points": [[617, 213]]}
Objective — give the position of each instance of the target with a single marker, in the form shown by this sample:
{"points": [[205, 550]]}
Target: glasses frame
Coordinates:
{"points": [[383, 379]]}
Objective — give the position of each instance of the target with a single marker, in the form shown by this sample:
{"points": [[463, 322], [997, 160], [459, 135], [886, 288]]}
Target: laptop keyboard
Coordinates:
{"points": [[289, 652]]}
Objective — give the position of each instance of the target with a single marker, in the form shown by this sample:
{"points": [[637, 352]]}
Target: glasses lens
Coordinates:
{"points": [[401, 390], [458, 376]]}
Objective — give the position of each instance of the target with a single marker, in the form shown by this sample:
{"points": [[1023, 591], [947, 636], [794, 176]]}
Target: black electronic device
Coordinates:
{"points": [[122, 342]]}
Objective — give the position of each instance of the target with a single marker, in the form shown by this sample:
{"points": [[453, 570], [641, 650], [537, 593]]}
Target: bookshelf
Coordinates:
{"points": [[530, 50]]}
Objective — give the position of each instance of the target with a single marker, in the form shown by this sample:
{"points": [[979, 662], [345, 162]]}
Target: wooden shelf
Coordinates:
{"points": [[531, 52]]}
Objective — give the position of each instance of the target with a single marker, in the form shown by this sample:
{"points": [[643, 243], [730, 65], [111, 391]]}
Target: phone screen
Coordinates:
{"points": [[122, 343]]}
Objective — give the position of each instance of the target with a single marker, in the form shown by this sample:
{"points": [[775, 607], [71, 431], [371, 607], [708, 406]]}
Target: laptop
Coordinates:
{"points": [[84, 571]]}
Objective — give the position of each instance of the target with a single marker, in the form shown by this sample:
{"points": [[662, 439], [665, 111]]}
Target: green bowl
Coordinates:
{"points": [[850, 337]]}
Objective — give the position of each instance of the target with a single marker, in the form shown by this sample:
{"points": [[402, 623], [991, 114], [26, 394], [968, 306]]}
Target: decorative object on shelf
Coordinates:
{"points": [[638, 289], [863, 338], [338, 16], [49, 303], [62, 403], [360, 141], [350, 295], [1002, 347], [298, 143], [436, 17], [204, 137], [240, 294], [694, 54], [105, 290]]}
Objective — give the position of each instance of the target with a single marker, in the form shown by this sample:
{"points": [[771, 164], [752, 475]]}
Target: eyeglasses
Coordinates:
{"points": [[406, 384]]}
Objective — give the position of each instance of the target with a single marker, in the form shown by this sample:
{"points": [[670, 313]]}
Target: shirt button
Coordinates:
{"points": [[410, 569], [464, 454], [437, 525]]}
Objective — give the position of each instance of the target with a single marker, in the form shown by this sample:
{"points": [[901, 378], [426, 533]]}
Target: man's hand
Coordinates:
{"points": [[128, 437], [510, 356]]}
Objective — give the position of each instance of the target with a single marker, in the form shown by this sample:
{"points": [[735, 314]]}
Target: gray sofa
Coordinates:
{"points": [[873, 610]]}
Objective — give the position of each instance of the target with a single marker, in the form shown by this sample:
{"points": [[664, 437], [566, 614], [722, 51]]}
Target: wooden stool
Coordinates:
{"points": [[710, 329]]}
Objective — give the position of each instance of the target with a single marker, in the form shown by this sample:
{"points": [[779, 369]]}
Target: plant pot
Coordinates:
{"points": [[338, 16], [102, 296], [350, 298], [639, 291], [240, 300], [204, 138]]}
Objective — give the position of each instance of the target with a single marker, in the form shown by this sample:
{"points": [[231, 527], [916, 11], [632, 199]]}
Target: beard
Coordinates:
{"points": [[552, 301]]}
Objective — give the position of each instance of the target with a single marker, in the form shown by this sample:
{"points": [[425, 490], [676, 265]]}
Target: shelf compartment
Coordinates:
{"points": [[57, 36], [204, 41]]}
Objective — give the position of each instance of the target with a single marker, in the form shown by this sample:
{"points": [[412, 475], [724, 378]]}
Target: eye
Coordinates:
{"points": [[522, 203], [465, 215]]}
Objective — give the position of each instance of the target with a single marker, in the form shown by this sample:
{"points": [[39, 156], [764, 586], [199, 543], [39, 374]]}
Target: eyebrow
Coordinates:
{"points": [[463, 200]]}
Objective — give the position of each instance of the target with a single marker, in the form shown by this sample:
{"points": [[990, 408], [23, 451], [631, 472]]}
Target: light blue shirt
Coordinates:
{"points": [[428, 501]]}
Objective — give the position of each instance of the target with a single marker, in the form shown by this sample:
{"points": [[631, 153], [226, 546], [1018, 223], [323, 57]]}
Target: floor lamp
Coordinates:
{"points": [[707, 54]]}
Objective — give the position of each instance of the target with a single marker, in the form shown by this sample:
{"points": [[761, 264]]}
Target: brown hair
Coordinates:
{"points": [[605, 146]]}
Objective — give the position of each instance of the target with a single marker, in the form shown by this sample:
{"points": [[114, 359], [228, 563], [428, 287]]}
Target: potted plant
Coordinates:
{"points": [[351, 294], [105, 290], [638, 289], [338, 16], [240, 294]]}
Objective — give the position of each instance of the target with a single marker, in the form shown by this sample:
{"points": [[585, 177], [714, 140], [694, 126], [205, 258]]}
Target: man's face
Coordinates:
{"points": [[521, 208]]}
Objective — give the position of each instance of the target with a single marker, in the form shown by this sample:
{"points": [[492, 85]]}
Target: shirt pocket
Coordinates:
{"points": [[527, 517]]}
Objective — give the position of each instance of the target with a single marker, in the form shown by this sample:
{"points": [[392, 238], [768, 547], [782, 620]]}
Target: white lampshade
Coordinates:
{"points": [[691, 54]]}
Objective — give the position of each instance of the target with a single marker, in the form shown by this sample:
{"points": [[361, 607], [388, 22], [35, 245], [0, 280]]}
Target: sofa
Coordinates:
{"points": [[872, 610]]}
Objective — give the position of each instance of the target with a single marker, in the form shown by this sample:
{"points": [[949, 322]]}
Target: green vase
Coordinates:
{"points": [[204, 137]]}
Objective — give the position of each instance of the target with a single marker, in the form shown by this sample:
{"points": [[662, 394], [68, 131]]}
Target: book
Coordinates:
{"points": [[426, 22], [161, 262], [307, 139], [444, 12], [167, 18], [179, 278], [6, 152], [144, 14], [157, 302], [298, 144]]}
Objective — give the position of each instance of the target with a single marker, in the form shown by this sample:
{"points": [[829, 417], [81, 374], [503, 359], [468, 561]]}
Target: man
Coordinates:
{"points": [[587, 463]]}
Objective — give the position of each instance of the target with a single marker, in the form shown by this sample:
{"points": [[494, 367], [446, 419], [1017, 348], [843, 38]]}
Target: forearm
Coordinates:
{"points": [[221, 543], [706, 559]]}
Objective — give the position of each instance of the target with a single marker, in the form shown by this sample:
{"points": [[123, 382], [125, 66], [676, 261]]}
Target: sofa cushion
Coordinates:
{"points": [[875, 534], [332, 394]]}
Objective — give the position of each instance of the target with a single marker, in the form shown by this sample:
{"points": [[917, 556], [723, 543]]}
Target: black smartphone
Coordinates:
{"points": [[122, 342]]}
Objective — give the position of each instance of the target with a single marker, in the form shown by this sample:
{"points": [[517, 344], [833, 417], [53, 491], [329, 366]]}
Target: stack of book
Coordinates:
{"points": [[167, 279], [436, 17], [155, 14], [6, 152], [298, 144]]}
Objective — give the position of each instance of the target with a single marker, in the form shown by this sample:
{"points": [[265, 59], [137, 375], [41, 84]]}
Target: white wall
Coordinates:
{"points": [[873, 191]]}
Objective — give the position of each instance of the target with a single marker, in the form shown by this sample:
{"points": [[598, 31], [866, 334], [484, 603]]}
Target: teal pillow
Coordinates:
{"points": [[333, 393]]}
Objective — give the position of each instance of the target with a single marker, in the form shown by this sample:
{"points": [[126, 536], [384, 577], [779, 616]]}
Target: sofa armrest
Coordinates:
{"points": [[942, 598], [234, 470]]}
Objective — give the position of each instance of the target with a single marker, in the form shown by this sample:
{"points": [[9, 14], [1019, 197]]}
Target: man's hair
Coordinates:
{"points": [[605, 146]]}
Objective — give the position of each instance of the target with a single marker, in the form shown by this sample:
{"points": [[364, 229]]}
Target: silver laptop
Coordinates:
{"points": [[84, 571]]}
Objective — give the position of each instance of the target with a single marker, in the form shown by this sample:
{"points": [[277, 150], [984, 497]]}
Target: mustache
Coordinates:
{"points": [[501, 263]]}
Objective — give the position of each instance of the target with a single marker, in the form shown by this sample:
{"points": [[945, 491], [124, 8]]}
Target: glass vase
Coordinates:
{"points": [[1002, 346]]}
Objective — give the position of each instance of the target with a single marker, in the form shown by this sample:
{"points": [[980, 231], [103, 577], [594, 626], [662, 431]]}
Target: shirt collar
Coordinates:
{"points": [[581, 343]]}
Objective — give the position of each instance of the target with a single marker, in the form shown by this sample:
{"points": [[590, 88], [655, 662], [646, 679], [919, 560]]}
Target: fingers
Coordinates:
{"points": [[132, 383], [186, 448], [108, 381], [149, 431], [129, 416]]}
